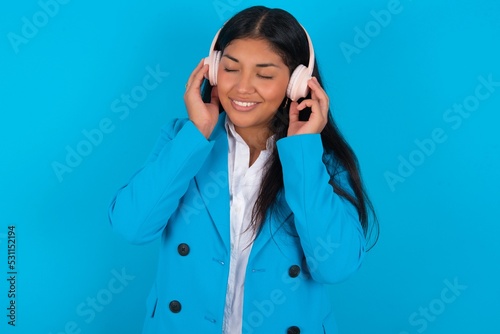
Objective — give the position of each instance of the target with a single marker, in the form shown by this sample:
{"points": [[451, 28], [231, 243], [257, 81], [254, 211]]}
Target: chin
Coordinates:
{"points": [[241, 121]]}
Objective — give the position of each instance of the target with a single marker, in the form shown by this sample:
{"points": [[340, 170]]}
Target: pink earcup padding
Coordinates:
{"points": [[213, 66], [297, 87]]}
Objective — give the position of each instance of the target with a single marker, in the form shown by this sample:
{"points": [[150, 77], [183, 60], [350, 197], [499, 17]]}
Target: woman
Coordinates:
{"points": [[257, 199]]}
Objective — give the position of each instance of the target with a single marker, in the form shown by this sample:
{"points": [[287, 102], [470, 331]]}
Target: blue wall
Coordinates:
{"points": [[415, 86]]}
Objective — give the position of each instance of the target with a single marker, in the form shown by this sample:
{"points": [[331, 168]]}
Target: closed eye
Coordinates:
{"points": [[258, 75], [264, 76]]}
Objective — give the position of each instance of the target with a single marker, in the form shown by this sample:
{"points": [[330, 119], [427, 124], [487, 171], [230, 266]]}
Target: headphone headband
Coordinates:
{"points": [[310, 66]]}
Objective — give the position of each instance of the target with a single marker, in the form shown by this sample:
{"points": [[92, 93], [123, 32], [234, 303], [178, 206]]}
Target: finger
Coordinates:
{"points": [[316, 89], [214, 96], [319, 94], [323, 96], [313, 104], [294, 112], [193, 75], [316, 111], [200, 76], [195, 84]]}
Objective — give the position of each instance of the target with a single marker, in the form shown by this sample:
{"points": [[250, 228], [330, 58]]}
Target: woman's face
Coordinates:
{"points": [[252, 81]]}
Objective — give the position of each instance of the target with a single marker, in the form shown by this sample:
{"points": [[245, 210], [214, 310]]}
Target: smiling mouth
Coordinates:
{"points": [[243, 105]]}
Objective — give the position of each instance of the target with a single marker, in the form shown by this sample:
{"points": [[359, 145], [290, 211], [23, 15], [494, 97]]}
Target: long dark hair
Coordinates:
{"points": [[288, 39]]}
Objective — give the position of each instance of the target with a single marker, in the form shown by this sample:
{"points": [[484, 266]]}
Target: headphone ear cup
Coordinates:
{"points": [[213, 61], [217, 57], [297, 87]]}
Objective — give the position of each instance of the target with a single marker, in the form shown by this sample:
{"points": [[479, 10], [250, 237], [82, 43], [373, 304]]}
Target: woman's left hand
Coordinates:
{"points": [[319, 104]]}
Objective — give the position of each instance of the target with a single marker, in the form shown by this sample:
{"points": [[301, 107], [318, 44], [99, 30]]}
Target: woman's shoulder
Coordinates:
{"points": [[175, 124]]}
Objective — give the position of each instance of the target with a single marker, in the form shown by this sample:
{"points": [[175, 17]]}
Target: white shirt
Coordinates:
{"points": [[244, 185]]}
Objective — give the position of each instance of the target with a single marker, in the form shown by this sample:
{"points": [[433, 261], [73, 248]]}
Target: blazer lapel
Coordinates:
{"points": [[213, 181], [271, 226]]}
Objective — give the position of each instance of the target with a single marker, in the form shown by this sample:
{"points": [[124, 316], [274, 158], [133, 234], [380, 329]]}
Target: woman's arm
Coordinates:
{"points": [[328, 226], [141, 208]]}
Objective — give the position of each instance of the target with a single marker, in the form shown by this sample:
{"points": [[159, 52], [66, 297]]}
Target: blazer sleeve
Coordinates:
{"points": [[141, 208], [328, 226]]}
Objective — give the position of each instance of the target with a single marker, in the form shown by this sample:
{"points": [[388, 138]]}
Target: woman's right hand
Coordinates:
{"points": [[203, 115]]}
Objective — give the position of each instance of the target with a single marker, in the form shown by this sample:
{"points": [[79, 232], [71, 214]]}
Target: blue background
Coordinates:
{"points": [[439, 223]]}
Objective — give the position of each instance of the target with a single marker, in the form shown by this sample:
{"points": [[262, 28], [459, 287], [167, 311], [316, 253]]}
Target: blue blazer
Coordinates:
{"points": [[181, 194]]}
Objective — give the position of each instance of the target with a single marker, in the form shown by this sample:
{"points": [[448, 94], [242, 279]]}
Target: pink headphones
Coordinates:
{"points": [[297, 87]]}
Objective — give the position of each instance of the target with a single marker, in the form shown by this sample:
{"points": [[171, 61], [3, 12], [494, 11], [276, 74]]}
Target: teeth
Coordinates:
{"points": [[244, 104]]}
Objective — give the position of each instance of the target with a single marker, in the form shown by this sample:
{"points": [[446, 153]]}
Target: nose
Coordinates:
{"points": [[245, 84]]}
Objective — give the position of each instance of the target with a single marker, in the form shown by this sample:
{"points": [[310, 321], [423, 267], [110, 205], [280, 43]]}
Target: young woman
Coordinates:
{"points": [[257, 197]]}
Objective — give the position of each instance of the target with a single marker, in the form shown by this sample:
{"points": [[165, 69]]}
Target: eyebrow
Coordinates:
{"points": [[257, 65]]}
